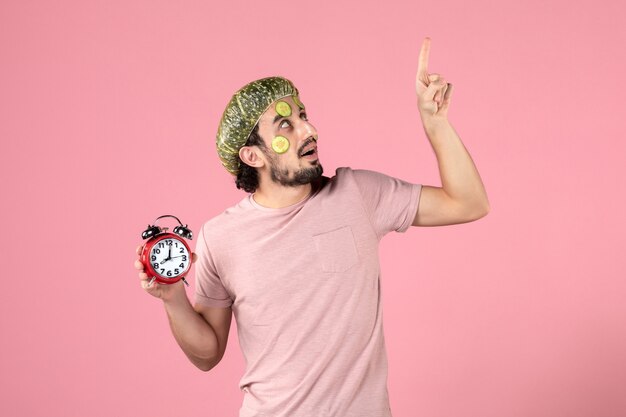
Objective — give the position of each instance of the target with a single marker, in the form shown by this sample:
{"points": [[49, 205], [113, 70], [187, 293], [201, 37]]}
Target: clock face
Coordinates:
{"points": [[169, 258]]}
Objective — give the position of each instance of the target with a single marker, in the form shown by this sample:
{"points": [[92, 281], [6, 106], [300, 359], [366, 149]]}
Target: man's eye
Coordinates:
{"points": [[303, 115]]}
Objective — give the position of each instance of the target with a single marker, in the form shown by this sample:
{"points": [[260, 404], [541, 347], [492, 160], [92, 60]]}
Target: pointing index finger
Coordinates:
{"points": [[422, 65]]}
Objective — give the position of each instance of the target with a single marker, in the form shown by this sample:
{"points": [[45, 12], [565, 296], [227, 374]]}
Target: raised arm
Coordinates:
{"points": [[462, 197]]}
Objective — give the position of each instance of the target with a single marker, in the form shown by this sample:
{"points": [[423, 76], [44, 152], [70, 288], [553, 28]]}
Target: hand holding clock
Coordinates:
{"points": [[164, 292]]}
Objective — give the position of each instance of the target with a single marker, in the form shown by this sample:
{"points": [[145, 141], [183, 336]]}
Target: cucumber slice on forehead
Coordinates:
{"points": [[283, 108], [280, 144], [296, 100]]}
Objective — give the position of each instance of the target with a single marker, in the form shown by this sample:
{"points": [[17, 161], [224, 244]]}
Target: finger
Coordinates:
{"points": [[440, 94], [194, 257], [437, 97], [433, 89], [446, 97], [143, 276], [139, 249], [138, 264], [433, 77], [422, 65], [448, 94]]}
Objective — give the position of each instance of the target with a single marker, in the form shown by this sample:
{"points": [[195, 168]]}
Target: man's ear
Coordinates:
{"points": [[249, 155]]}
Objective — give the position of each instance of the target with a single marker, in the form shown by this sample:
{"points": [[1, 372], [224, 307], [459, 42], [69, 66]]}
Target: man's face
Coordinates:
{"points": [[290, 168]]}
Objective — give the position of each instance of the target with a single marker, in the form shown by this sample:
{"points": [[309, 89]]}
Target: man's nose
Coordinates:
{"points": [[306, 129]]}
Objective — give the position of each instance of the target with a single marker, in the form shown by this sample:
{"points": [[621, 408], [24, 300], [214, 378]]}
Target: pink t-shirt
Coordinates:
{"points": [[304, 285]]}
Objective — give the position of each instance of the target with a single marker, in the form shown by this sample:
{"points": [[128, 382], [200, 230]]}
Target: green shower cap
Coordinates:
{"points": [[244, 110]]}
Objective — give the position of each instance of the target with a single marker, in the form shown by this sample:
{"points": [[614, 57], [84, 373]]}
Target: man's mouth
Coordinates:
{"points": [[311, 155], [309, 152], [309, 149]]}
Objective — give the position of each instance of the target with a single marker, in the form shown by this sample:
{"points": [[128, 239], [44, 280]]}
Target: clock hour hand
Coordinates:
{"points": [[169, 256]]}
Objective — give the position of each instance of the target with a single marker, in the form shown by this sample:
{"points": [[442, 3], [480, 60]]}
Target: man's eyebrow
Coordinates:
{"points": [[278, 116]]}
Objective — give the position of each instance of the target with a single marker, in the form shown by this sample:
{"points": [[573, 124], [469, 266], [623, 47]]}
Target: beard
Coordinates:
{"points": [[290, 178]]}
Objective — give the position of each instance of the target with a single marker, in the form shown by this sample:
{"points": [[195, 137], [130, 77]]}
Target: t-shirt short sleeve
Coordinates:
{"points": [[391, 203], [209, 288]]}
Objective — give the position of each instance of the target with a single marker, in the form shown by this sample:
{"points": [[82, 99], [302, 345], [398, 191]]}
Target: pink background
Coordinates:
{"points": [[519, 314]]}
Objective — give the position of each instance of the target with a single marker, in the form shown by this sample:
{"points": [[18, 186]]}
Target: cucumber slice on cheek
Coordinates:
{"points": [[280, 144]]}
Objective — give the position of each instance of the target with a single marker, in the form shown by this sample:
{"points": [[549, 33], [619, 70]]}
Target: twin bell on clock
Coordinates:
{"points": [[166, 257]]}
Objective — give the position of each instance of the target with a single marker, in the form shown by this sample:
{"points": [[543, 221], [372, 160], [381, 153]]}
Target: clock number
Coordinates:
{"points": [[168, 242], [176, 271], [176, 243], [169, 273], [182, 265], [153, 258], [156, 265], [157, 250], [184, 257], [162, 269], [161, 245], [182, 250]]}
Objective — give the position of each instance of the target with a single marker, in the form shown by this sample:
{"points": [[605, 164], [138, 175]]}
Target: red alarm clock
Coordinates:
{"points": [[166, 257]]}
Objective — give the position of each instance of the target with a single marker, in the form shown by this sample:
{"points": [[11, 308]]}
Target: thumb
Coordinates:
{"points": [[429, 94]]}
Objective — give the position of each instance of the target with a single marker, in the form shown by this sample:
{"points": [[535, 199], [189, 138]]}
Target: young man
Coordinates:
{"points": [[296, 260]]}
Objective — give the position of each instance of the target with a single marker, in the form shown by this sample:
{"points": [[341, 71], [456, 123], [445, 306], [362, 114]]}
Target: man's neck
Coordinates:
{"points": [[277, 196]]}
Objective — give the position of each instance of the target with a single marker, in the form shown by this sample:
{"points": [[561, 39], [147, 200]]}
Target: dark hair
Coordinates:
{"points": [[248, 177]]}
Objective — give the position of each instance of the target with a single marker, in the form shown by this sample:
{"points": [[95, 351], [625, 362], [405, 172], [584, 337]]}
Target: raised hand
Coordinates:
{"points": [[433, 92]]}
